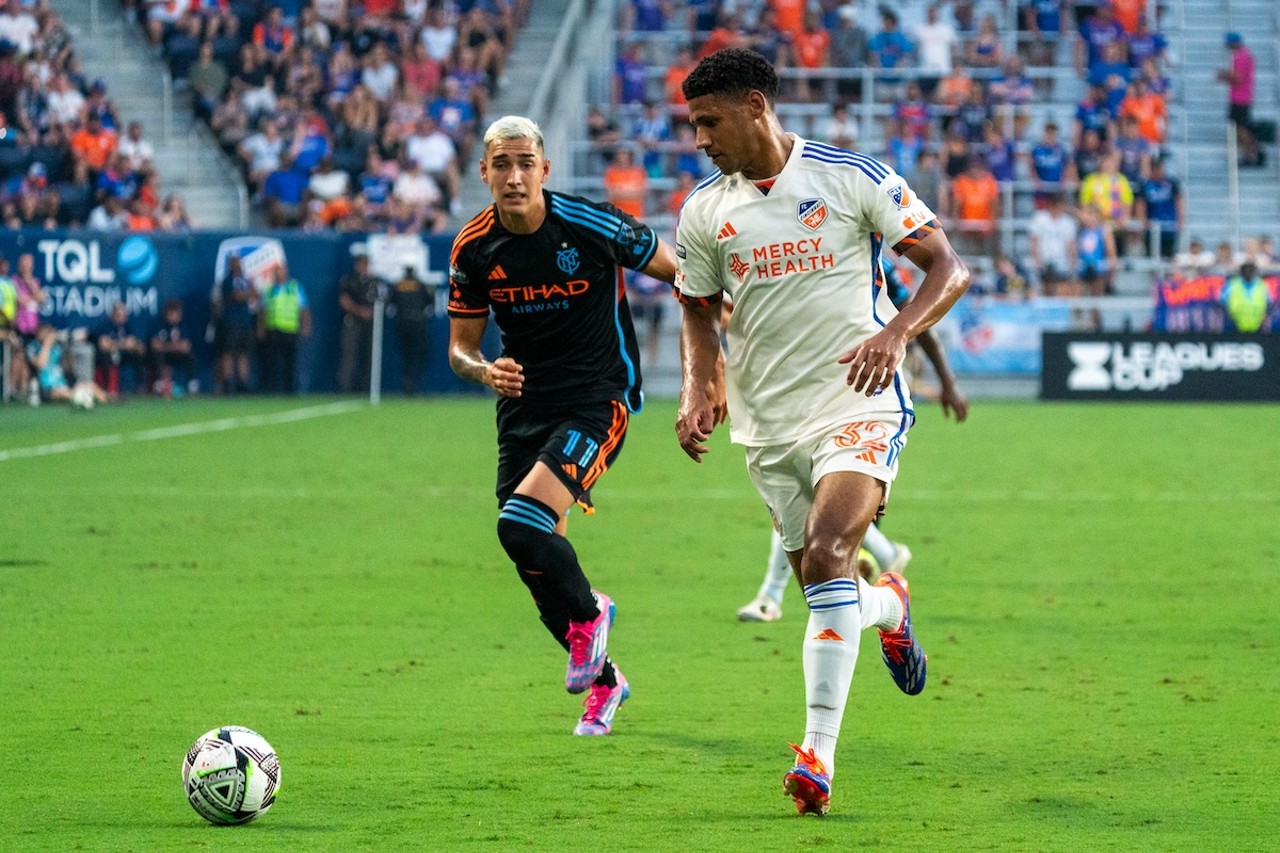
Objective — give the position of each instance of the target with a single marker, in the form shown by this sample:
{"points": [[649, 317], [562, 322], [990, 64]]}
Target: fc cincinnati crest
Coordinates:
{"points": [[567, 260], [900, 196], [812, 212]]}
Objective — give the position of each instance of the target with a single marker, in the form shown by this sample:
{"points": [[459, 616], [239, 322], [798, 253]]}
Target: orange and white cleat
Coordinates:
{"points": [[808, 783]]}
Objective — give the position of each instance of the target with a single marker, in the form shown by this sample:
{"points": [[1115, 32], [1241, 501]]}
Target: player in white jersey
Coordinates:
{"points": [[792, 231]]}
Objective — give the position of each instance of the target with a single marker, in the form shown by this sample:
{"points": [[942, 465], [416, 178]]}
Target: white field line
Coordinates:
{"points": [[179, 430]]}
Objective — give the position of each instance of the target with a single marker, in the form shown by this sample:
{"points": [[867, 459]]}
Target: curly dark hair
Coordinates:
{"points": [[732, 71]]}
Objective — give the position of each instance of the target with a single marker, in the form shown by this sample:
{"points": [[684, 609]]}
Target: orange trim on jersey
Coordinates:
{"points": [[617, 429], [473, 230], [704, 301], [917, 235], [454, 308]]}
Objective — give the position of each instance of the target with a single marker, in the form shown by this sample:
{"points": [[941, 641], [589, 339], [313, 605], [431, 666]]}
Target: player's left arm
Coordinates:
{"points": [[951, 397], [873, 362]]}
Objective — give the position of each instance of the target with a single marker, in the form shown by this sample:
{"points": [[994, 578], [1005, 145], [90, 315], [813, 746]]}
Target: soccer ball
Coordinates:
{"points": [[231, 775], [82, 397]]}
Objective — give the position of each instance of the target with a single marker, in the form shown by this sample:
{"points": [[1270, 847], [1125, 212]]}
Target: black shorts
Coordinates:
{"points": [[1241, 114], [578, 444], [237, 340]]}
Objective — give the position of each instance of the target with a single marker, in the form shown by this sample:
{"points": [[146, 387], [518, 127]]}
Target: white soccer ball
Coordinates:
{"points": [[231, 775], [82, 397]]}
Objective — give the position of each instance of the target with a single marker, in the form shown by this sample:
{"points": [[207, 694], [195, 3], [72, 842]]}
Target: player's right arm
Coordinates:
{"points": [[505, 376], [698, 289], [699, 356]]}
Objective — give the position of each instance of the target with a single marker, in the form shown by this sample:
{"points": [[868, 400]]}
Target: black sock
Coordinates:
{"points": [[546, 560]]}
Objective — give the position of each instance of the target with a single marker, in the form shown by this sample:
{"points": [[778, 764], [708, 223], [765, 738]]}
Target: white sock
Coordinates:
{"points": [[778, 574], [881, 607], [830, 655], [880, 547]]}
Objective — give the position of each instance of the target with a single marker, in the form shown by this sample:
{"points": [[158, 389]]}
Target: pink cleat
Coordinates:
{"points": [[588, 646], [601, 703]]}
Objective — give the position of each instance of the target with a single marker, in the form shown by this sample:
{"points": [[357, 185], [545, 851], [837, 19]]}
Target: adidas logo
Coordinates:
{"points": [[497, 273], [727, 231], [829, 634]]}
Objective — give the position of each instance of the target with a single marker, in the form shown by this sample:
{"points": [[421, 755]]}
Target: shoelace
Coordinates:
{"points": [[579, 636], [595, 701], [809, 759], [896, 645]]}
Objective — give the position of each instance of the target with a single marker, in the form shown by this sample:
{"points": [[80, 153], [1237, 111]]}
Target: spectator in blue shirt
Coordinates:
{"points": [[889, 47], [630, 75], [284, 192], [1092, 113], [1096, 32], [1048, 162], [1144, 45], [1160, 203]]}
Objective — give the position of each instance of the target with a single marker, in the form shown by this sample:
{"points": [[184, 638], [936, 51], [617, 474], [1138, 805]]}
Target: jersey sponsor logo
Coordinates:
{"points": [[789, 257], [680, 251], [727, 231], [900, 196], [738, 267], [912, 222], [812, 212], [532, 298], [497, 273], [568, 261]]}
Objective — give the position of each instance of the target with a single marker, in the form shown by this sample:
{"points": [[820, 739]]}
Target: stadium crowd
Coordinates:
{"points": [[66, 159], [1036, 130], [354, 116]]}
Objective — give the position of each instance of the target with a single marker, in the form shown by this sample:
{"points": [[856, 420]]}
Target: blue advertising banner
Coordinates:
{"points": [[986, 335], [85, 272]]}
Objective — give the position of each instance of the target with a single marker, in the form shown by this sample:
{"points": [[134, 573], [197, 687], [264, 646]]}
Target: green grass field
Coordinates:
{"points": [[1097, 587]]}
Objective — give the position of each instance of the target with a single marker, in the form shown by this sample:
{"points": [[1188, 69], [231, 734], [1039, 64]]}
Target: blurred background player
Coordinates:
{"points": [[878, 551]]}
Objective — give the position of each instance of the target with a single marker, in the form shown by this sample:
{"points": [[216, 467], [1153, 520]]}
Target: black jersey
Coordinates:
{"points": [[558, 297]]}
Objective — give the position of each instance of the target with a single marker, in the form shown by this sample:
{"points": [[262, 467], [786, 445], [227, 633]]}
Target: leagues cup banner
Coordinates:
{"points": [[1083, 366]]}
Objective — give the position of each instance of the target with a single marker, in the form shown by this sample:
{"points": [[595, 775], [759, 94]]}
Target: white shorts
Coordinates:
{"points": [[787, 474]]}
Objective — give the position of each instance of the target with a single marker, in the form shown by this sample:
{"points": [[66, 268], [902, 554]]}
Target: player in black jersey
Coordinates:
{"points": [[548, 266]]}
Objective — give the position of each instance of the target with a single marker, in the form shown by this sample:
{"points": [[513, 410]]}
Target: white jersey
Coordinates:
{"points": [[801, 263]]}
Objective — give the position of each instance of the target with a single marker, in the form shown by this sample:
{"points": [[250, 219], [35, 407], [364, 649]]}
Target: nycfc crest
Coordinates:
{"points": [[812, 212], [567, 261]]}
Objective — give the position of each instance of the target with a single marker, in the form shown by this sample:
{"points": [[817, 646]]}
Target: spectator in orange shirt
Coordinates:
{"points": [[91, 146], [685, 182], [684, 62], [975, 205], [1147, 109], [812, 50], [1127, 13], [626, 183], [139, 217], [789, 16]]}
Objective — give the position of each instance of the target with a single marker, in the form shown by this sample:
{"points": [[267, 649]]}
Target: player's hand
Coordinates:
{"points": [[694, 424], [505, 376], [716, 394], [953, 402], [873, 362]]}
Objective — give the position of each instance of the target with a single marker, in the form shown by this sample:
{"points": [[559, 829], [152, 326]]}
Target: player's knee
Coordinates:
{"points": [[827, 556], [524, 527]]}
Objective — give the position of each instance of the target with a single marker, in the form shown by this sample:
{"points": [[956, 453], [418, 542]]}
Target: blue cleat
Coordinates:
{"points": [[901, 652]]}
